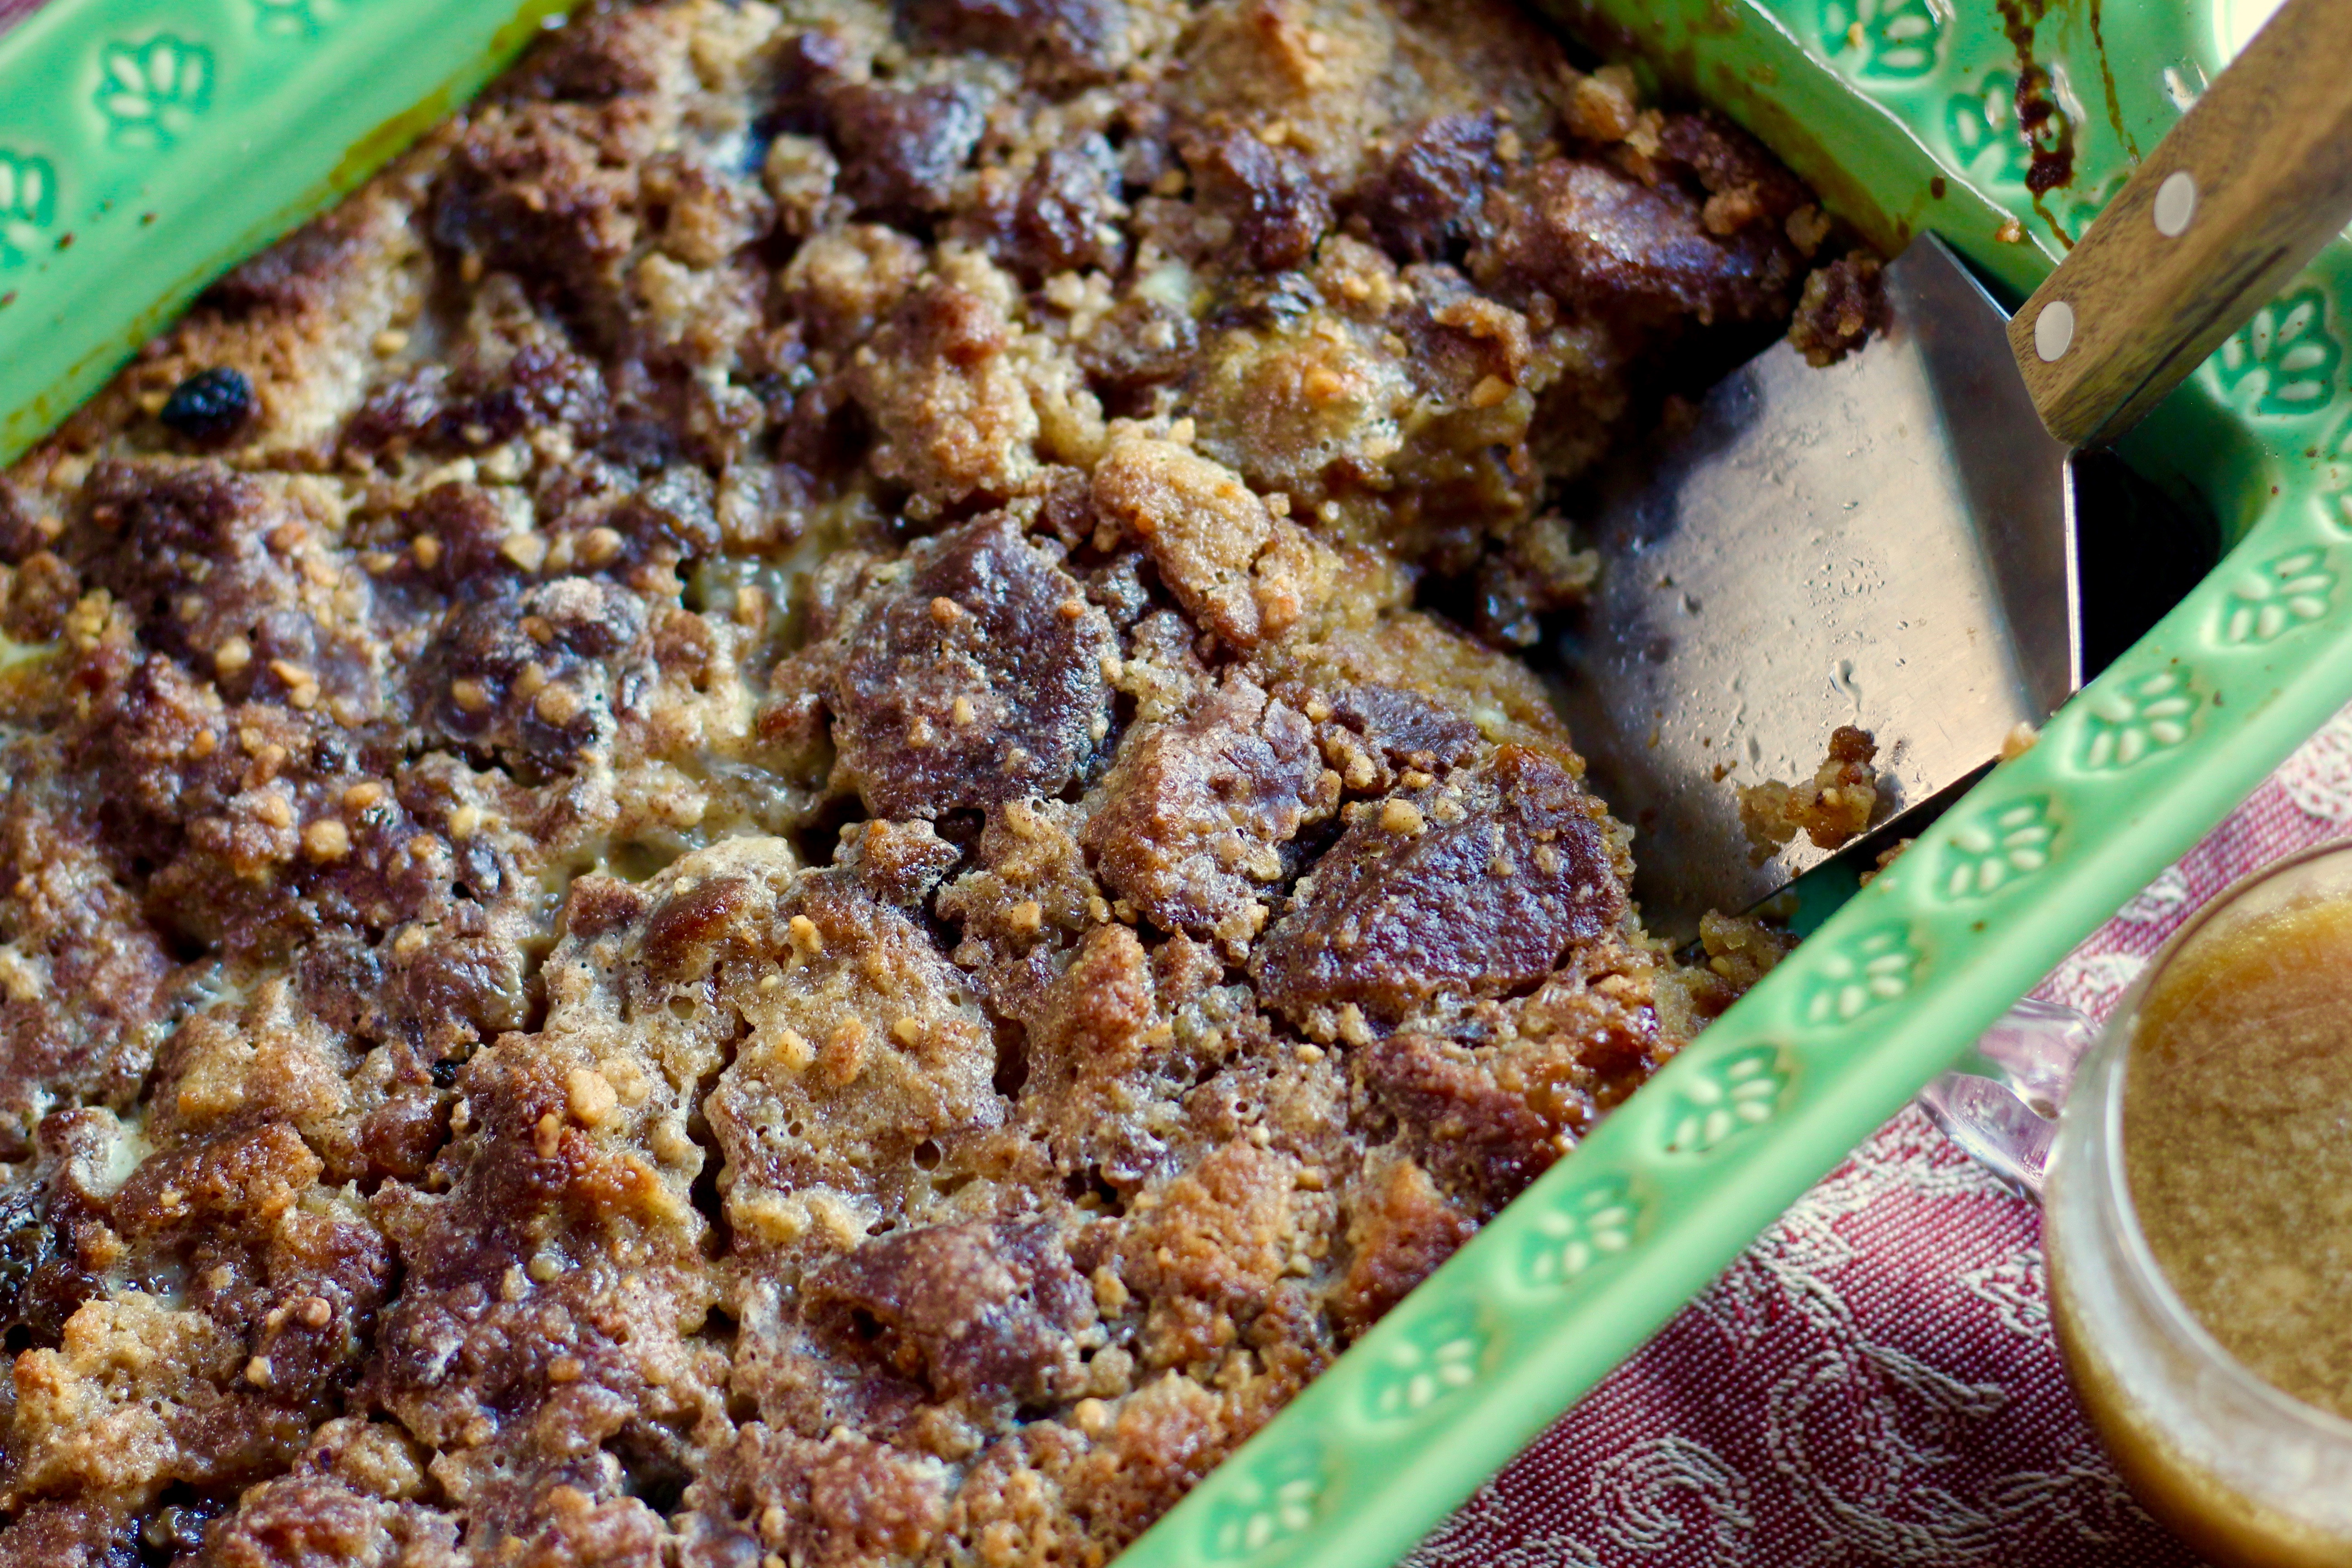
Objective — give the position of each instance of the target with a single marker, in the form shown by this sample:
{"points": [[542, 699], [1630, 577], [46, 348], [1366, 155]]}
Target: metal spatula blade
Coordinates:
{"points": [[1885, 542]]}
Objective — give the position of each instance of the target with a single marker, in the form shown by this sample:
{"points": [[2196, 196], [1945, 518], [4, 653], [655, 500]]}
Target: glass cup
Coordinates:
{"points": [[2243, 1472]]}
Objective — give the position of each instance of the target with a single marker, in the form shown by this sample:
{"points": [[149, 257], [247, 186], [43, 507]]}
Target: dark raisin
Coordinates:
{"points": [[444, 1072], [211, 405]]}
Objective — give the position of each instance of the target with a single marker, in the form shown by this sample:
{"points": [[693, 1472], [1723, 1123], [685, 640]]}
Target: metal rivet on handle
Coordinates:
{"points": [[2053, 330], [2175, 204]]}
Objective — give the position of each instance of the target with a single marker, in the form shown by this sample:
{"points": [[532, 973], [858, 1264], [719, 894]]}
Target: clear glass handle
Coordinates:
{"points": [[2007, 1122]]}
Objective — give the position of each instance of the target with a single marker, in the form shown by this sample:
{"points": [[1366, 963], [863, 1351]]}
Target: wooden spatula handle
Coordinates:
{"points": [[2229, 204]]}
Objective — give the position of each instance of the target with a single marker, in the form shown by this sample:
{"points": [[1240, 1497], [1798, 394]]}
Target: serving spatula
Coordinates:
{"points": [[1889, 542]]}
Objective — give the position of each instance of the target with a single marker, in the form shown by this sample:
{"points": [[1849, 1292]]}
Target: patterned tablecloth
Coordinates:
{"points": [[1874, 1382]]}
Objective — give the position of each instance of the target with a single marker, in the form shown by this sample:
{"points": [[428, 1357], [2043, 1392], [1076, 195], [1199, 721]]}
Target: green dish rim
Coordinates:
{"points": [[145, 144]]}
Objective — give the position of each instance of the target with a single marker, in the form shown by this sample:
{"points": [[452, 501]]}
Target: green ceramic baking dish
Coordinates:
{"points": [[145, 144]]}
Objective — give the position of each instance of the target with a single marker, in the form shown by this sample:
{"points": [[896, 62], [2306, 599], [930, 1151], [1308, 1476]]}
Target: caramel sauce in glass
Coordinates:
{"points": [[2201, 1225], [2238, 1145]]}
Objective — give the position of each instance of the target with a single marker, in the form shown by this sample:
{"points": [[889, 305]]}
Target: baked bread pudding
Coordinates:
{"points": [[785, 810]]}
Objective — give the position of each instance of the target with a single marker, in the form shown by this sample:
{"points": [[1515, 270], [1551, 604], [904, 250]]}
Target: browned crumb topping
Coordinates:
{"points": [[1832, 808], [746, 840], [1887, 857], [1843, 304], [1741, 948]]}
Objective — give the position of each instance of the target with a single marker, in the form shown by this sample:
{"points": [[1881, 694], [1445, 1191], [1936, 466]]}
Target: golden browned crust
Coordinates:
{"points": [[1832, 808], [779, 858]]}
